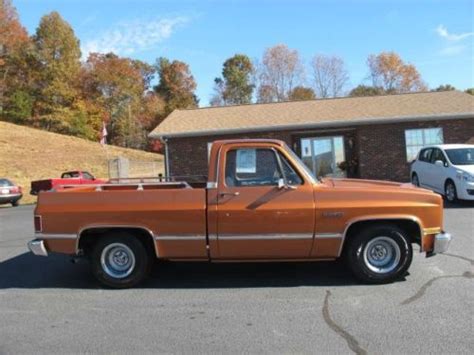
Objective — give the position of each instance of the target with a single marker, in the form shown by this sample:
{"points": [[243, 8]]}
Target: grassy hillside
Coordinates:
{"points": [[28, 154]]}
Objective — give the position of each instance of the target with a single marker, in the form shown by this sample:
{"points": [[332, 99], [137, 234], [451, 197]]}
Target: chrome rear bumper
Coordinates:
{"points": [[441, 242], [37, 247]]}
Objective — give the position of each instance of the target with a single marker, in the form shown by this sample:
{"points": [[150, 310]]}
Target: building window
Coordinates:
{"points": [[415, 139]]}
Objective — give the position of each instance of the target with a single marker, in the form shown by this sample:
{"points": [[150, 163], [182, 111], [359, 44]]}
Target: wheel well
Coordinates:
{"points": [[449, 180], [411, 227], [89, 237], [414, 173]]}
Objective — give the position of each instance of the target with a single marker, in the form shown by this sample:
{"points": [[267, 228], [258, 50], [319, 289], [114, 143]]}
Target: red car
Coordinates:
{"points": [[68, 178], [9, 192]]}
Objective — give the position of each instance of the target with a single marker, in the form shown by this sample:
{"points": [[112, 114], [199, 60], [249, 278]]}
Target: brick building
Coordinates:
{"points": [[363, 137]]}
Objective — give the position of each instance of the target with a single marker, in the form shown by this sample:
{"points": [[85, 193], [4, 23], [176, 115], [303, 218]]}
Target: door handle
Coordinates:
{"points": [[230, 193]]}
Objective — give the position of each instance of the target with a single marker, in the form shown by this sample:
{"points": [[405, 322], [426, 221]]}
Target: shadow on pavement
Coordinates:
{"points": [[459, 204], [56, 271]]}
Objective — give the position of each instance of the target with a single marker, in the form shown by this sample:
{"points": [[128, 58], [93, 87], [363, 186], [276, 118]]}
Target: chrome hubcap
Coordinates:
{"points": [[117, 260], [382, 255]]}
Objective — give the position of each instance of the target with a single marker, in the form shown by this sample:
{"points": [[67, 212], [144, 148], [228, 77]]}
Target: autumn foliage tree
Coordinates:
{"points": [[301, 93], [389, 72], [280, 71], [58, 66], [176, 85], [116, 91], [16, 101]]}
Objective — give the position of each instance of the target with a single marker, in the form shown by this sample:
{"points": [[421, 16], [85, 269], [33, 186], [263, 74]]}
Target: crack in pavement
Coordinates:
{"points": [[351, 341], [459, 257], [422, 290]]}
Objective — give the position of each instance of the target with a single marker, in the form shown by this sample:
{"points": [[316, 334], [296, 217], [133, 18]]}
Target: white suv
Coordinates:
{"points": [[447, 169]]}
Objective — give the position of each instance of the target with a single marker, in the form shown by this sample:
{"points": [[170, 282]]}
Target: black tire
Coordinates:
{"points": [[102, 267], [450, 192], [376, 239], [415, 180], [15, 204]]}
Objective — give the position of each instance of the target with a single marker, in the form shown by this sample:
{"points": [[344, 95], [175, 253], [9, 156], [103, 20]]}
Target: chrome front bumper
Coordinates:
{"points": [[37, 247], [441, 242]]}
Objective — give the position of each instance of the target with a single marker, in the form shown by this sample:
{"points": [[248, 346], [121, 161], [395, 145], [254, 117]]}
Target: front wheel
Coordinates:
{"points": [[120, 261], [379, 254], [450, 191]]}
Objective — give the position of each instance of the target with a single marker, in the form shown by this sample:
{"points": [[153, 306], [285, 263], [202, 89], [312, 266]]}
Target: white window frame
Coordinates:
{"points": [[424, 140]]}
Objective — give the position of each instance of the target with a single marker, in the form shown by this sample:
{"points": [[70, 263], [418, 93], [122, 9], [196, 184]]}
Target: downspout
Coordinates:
{"points": [[167, 160]]}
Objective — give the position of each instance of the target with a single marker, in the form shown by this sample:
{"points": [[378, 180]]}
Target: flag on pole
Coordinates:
{"points": [[103, 134]]}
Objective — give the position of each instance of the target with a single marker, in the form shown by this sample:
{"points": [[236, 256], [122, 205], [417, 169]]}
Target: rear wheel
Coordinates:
{"points": [[15, 204], [414, 180], [120, 261], [379, 254], [450, 191]]}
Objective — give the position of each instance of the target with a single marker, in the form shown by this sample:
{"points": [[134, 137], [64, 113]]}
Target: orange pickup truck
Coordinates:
{"points": [[260, 203]]}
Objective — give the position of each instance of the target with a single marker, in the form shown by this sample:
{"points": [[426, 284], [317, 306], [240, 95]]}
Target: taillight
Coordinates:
{"points": [[38, 224]]}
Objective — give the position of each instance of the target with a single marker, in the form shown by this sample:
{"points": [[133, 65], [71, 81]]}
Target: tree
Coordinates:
{"points": [[116, 90], [281, 70], [446, 87], [217, 98], [393, 75], [176, 85], [364, 90], [470, 91], [235, 87], [15, 47], [301, 93], [329, 75], [58, 66]]}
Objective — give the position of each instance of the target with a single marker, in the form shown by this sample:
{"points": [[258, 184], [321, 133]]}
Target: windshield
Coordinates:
{"points": [[462, 156], [5, 182], [297, 159]]}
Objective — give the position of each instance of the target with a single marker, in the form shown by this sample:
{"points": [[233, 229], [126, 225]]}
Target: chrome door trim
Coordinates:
{"points": [[179, 237], [327, 235], [292, 236]]}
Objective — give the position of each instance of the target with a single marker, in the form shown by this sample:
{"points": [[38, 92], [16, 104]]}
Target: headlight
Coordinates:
{"points": [[464, 176]]}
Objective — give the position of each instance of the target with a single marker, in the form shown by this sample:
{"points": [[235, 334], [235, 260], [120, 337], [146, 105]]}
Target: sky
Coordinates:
{"points": [[436, 36]]}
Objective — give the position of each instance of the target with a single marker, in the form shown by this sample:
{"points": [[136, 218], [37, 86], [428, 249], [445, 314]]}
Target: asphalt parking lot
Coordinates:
{"points": [[49, 305]]}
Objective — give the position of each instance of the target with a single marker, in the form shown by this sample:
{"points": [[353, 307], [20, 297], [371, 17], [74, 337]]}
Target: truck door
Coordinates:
{"points": [[265, 208]]}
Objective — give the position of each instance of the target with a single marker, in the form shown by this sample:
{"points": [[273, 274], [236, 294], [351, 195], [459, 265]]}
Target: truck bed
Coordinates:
{"points": [[174, 214]]}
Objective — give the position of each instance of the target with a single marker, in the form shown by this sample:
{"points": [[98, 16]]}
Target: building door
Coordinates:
{"points": [[325, 156]]}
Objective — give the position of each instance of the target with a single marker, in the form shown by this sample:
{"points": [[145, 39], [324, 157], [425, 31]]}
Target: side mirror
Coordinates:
{"points": [[283, 185], [439, 163]]}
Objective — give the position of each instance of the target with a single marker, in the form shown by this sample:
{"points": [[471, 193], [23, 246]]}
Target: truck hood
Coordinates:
{"points": [[369, 184]]}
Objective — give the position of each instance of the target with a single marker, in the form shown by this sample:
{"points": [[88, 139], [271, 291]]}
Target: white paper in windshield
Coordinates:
{"points": [[246, 161]]}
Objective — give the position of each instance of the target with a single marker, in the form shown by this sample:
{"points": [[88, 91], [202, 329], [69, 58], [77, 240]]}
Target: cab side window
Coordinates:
{"points": [[425, 155], [291, 176], [252, 167], [438, 155]]}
